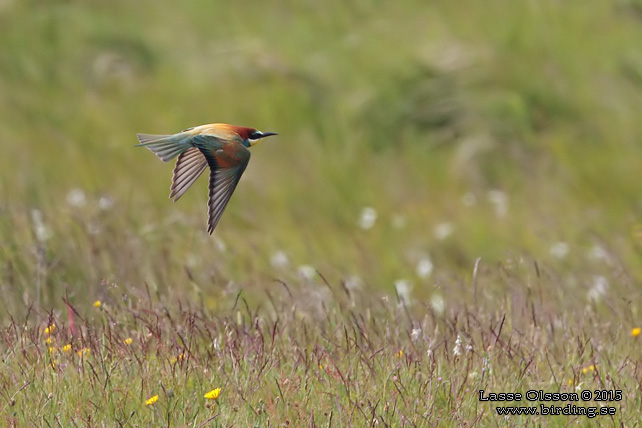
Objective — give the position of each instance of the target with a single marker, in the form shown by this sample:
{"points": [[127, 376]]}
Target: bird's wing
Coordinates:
{"points": [[189, 166], [227, 163]]}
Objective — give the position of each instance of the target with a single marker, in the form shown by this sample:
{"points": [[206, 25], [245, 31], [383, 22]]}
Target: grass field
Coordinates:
{"points": [[452, 205]]}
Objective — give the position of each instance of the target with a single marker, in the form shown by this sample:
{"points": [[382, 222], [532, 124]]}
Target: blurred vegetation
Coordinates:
{"points": [[473, 131]]}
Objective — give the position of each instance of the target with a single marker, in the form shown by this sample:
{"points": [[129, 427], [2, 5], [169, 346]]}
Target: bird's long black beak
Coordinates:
{"points": [[267, 134]]}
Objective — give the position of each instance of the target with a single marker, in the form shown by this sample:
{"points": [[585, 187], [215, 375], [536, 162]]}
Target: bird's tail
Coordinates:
{"points": [[166, 147]]}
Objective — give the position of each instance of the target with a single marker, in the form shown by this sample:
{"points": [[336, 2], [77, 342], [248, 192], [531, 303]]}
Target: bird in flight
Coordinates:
{"points": [[222, 147]]}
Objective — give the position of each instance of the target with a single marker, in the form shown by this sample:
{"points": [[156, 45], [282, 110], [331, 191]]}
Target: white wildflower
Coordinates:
{"points": [[500, 201], [424, 268], [403, 291], [486, 367], [231, 288], [193, 260], [598, 288], [457, 347], [279, 260], [40, 229], [598, 253], [559, 250], [367, 218], [444, 230], [219, 244], [415, 334], [437, 303], [306, 271], [105, 203], [76, 198], [353, 282]]}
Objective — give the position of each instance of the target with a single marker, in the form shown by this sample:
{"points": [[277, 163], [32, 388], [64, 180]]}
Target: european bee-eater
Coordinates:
{"points": [[222, 147]]}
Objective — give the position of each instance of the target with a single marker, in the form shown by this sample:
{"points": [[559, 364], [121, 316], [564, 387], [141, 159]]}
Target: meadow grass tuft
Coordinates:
{"points": [[348, 359]]}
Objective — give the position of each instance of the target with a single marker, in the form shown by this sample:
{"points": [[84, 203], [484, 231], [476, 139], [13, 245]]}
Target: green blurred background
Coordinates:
{"points": [[414, 137]]}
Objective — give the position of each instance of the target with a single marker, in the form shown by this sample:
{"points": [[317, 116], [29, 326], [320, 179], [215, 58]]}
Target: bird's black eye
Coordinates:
{"points": [[255, 135]]}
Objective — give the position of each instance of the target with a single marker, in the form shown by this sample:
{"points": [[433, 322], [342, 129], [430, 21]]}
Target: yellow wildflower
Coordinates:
{"points": [[128, 341], [589, 368], [49, 340], [635, 332], [213, 394], [84, 351], [97, 304], [400, 353], [52, 349], [180, 357], [50, 329], [151, 400], [66, 348]]}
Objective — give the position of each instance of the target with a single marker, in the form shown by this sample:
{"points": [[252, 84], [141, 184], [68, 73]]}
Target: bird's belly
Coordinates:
{"points": [[227, 157]]}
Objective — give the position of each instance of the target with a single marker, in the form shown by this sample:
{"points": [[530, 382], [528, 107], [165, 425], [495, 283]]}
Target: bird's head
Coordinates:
{"points": [[251, 136]]}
